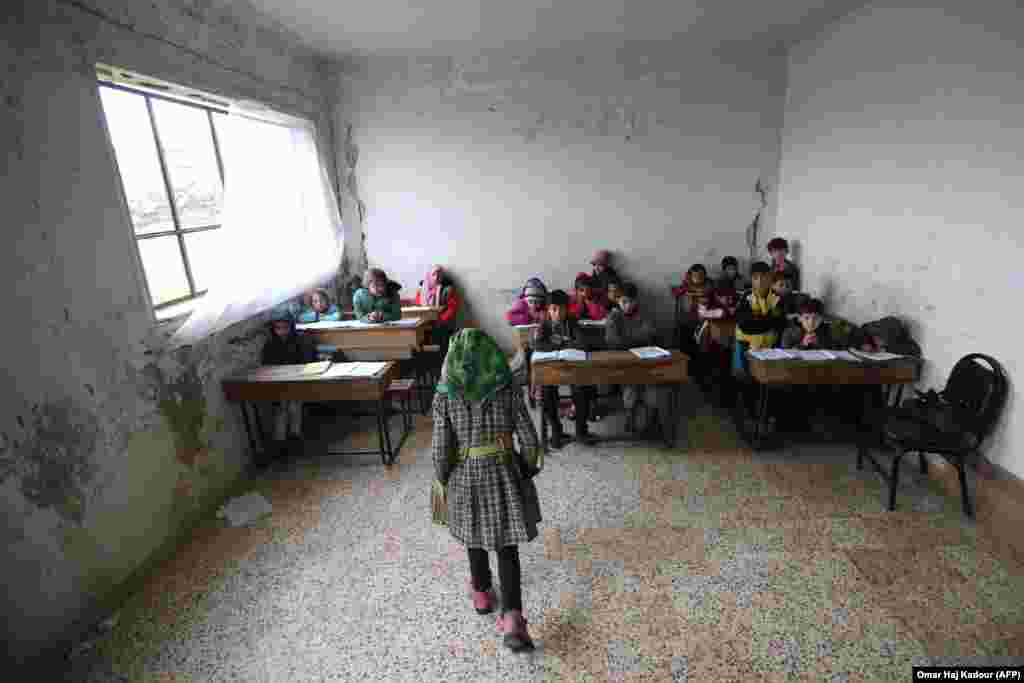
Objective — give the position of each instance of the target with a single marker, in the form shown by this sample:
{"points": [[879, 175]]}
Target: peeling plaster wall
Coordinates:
{"points": [[108, 445], [901, 170], [504, 167]]}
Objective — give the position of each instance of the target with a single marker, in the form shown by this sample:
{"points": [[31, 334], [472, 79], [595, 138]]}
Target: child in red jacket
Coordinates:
{"points": [[585, 306], [437, 289]]}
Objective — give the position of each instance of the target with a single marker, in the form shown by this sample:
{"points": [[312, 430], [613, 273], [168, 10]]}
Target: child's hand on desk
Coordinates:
{"points": [[375, 317], [809, 339]]}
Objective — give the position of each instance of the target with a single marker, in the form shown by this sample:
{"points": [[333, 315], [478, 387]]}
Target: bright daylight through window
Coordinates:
{"points": [[172, 172]]}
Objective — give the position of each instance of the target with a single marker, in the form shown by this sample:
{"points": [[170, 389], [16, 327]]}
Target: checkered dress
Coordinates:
{"points": [[489, 505]]}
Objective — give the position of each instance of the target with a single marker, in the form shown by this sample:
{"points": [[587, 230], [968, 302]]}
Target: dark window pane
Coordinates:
{"points": [[204, 256], [191, 162], [135, 149], [165, 271]]}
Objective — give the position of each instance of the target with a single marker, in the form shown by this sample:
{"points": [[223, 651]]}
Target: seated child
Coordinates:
{"points": [[602, 275], [730, 277], [790, 299], [628, 329], [614, 293], [715, 339], [560, 331], [371, 304], [696, 289], [759, 320], [286, 347], [585, 306], [437, 289], [320, 308], [812, 332], [778, 249], [531, 307]]}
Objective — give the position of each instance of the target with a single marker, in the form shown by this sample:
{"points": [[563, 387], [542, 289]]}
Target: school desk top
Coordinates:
{"points": [[613, 367], [407, 333], [264, 384]]}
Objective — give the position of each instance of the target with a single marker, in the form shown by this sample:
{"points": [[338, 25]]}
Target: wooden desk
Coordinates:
{"points": [[250, 387], [428, 313], [382, 336], [770, 373], [612, 367]]}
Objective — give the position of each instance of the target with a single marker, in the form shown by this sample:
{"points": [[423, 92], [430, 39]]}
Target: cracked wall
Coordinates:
{"points": [[900, 175], [109, 446], [506, 167]]}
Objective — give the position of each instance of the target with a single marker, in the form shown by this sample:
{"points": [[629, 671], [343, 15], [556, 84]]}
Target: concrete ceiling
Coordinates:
{"points": [[340, 28]]}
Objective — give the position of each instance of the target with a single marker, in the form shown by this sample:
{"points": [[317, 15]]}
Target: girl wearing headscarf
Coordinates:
{"points": [[531, 306], [436, 289], [484, 490]]}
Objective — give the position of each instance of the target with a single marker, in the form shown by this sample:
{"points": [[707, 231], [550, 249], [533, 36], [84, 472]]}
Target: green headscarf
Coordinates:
{"points": [[475, 367]]}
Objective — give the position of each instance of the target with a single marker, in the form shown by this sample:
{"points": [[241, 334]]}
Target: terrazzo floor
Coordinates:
{"points": [[706, 562]]}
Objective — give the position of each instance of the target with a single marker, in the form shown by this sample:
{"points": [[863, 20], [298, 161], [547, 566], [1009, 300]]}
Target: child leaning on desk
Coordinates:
{"points": [[561, 331], [759, 321], [372, 303], [286, 347], [628, 328]]}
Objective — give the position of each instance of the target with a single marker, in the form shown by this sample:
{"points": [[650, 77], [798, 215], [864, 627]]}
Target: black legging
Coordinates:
{"points": [[508, 573]]}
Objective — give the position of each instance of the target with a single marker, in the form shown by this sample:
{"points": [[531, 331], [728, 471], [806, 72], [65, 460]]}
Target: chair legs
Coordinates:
{"points": [[964, 500], [961, 472], [894, 477]]}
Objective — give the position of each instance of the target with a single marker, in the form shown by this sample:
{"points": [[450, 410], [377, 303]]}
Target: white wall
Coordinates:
{"points": [[505, 168], [902, 164]]}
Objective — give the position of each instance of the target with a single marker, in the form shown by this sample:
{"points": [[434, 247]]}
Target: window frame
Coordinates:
{"points": [[177, 231]]}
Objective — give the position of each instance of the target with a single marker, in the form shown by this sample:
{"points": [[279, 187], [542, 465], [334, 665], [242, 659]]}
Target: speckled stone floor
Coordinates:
{"points": [[702, 563]]}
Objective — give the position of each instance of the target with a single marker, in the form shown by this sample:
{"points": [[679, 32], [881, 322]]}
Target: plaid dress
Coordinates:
{"points": [[489, 505]]}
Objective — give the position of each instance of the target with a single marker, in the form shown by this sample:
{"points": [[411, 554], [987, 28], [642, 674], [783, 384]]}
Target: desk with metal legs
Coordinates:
{"points": [[615, 367], [769, 373], [254, 387]]}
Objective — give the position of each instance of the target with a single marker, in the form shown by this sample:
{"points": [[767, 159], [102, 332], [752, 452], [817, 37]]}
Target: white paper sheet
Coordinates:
{"points": [[650, 352], [772, 354], [283, 373], [529, 326], [813, 354], [846, 355], [593, 323], [875, 355], [332, 325], [353, 370], [404, 322], [563, 355]]}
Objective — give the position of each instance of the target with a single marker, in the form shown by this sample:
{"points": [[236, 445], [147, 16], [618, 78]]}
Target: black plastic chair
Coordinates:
{"points": [[952, 423]]}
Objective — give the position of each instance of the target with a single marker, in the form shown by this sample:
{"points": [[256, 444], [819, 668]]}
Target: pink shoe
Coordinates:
{"points": [[513, 625], [483, 601]]}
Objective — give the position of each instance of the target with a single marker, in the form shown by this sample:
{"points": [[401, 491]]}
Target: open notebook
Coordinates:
{"points": [[284, 373], [353, 370], [564, 354], [875, 355], [648, 352]]}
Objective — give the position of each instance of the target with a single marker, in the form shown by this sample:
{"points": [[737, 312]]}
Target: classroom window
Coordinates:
{"points": [[172, 172]]}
